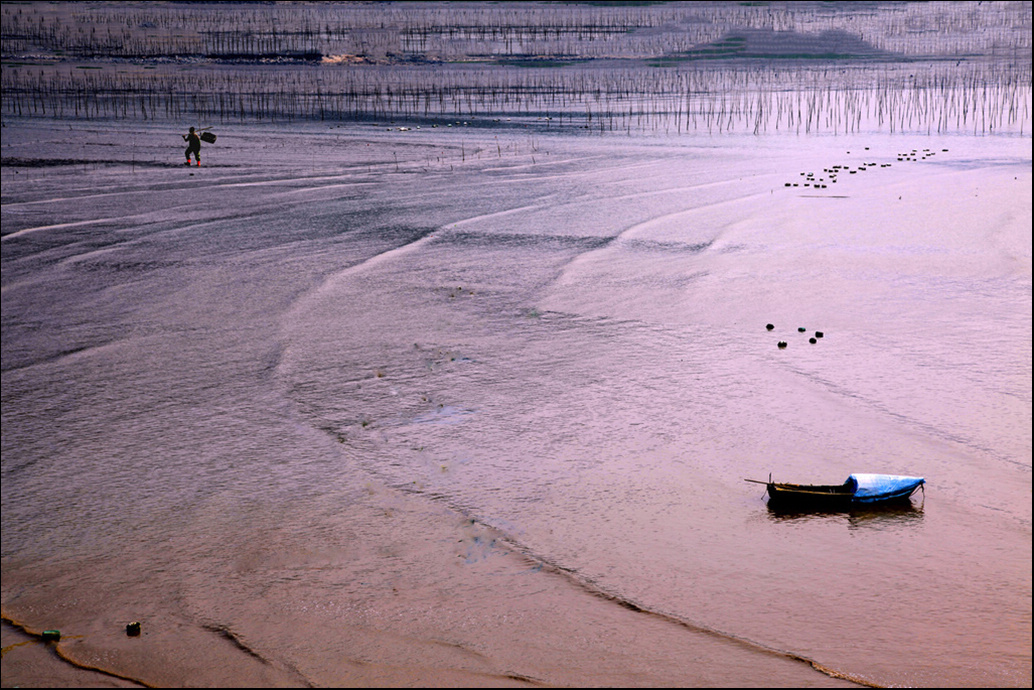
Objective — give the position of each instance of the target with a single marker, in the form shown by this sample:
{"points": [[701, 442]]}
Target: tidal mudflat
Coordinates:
{"points": [[371, 401]]}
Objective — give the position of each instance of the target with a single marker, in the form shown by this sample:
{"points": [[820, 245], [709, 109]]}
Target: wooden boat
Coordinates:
{"points": [[858, 491]]}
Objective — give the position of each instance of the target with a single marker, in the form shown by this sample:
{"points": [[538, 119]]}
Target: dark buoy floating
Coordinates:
{"points": [[133, 629], [782, 344], [769, 326], [51, 635]]}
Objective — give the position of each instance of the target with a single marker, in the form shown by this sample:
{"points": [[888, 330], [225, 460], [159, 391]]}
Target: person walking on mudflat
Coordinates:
{"points": [[193, 146]]}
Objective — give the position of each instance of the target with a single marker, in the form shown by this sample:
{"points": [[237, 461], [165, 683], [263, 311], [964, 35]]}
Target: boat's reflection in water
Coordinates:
{"points": [[869, 517]]}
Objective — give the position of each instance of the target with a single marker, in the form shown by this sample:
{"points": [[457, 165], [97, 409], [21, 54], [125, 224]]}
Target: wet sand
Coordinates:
{"points": [[369, 586]]}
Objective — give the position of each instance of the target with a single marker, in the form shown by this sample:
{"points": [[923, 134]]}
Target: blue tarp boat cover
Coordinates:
{"points": [[868, 487]]}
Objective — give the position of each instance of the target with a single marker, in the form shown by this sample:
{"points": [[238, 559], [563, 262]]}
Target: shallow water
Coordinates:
{"points": [[474, 409]]}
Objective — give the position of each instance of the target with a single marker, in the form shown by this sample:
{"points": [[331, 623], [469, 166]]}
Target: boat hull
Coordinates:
{"points": [[860, 490], [809, 496]]}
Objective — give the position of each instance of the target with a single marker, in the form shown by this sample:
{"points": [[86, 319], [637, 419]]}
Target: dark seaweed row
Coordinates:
{"points": [[444, 32]]}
